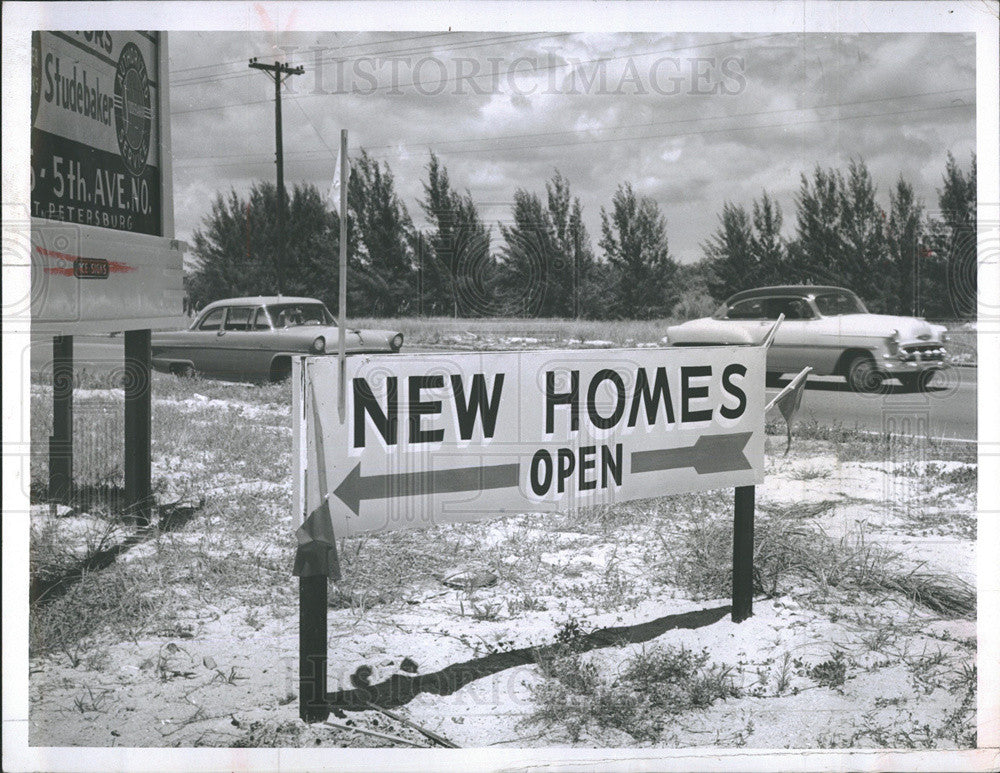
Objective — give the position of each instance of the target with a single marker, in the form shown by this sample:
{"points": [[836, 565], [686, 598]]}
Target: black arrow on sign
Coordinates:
{"points": [[711, 453], [356, 487]]}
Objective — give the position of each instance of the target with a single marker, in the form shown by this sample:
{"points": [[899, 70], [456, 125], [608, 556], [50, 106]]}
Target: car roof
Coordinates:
{"points": [[260, 300], [802, 290]]}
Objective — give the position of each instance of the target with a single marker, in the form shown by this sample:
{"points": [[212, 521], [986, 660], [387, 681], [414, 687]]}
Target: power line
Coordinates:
{"points": [[457, 46], [493, 148], [600, 60], [315, 131], [621, 127], [473, 77], [322, 48], [709, 131]]}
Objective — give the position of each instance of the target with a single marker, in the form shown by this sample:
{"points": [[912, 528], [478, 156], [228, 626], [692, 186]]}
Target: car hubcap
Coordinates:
{"points": [[864, 376]]}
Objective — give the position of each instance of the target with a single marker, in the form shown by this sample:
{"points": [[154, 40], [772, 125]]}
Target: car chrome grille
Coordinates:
{"points": [[930, 352]]}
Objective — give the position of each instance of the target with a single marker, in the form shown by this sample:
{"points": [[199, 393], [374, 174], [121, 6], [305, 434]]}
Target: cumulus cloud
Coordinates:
{"points": [[692, 120]]}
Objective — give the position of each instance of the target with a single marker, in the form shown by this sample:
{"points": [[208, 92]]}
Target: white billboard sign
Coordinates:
{"points": [[434, 438], [103, 256]]}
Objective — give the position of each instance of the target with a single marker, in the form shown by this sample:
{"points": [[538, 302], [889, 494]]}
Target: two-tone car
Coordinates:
{"points": [[827, 328], [254, 339]]}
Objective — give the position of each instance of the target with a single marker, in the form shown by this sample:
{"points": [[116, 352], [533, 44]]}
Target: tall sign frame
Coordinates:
{"points": [[103, 254]]}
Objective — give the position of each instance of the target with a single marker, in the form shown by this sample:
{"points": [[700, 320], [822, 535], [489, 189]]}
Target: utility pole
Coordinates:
{"points": [[279, 73]]}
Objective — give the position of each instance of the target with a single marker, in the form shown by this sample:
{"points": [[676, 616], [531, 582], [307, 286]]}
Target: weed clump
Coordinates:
{"points": [[832, 672], [652, 686], [258, 734], [788, 552]]}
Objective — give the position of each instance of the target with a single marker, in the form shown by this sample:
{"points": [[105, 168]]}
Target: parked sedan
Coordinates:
{"points": [[827, 328], [253, 339]]}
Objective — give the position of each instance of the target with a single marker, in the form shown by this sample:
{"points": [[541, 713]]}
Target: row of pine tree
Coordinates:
{"points": [[903, 259]]}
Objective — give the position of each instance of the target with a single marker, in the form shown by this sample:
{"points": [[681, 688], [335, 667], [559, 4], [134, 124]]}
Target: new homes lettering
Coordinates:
{"points": [[458, 437], [651, 399]]}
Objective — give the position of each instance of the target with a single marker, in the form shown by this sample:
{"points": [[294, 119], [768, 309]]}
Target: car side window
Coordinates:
{"points": [[213, 320], [792, 308], [798, 309], [238, 318], [752, 308], [260, 320]]}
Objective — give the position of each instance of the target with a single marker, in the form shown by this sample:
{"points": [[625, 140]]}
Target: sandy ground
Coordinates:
{"points": [[223, 671]]}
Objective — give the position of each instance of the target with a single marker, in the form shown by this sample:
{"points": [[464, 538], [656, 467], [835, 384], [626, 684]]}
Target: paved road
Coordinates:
{"points": [[946, 410]]}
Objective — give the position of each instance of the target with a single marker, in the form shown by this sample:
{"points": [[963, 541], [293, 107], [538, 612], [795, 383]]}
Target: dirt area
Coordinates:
{"points": [[606, 627]]}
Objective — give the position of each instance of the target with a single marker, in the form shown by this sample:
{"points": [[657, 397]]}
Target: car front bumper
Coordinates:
{"points": [[915, 361]]}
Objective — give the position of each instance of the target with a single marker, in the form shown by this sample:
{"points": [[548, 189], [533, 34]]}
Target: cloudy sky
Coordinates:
{"points": [[691, 120]]}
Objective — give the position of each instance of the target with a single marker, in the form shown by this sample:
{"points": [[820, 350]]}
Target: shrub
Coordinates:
{"points": [[694, 304], [653, 685]]}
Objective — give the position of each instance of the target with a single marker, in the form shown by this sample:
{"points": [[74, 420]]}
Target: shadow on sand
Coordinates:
{"points": [[400, 689]]}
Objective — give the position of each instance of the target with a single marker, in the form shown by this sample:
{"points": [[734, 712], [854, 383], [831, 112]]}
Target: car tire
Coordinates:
{"points": [[862, 374], [281, 370], [917, 382], [184, 371]]}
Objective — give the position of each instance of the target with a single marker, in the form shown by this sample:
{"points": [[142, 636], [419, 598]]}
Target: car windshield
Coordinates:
{"points": [[296, 314], [842, 302]]}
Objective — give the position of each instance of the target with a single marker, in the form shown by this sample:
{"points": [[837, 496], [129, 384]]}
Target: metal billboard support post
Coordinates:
{"points": [[138, 425], [313, 706], [61, 440], [743, 554]]}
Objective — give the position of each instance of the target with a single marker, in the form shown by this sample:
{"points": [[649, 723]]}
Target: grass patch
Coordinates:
{"points": [[810, 473], [260, 734], [832, 672], [220, 439], [788, 553], [55, 550], [382, 568], [126, 598], [116, 599], [899, 729], [962, 479], [653, 685], [858, 444]]}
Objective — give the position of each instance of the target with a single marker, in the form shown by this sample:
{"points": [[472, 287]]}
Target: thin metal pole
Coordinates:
{"points": [[576, 281], [342, 296], [743, 554], [138, 425], [61, 440]]}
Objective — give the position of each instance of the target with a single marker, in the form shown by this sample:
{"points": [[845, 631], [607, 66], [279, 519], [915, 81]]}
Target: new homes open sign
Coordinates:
{"points": [[434, 438], [103, 255]]}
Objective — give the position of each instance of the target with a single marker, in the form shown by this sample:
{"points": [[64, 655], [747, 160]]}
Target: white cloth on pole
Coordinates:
{"points": [[333, 195]]}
